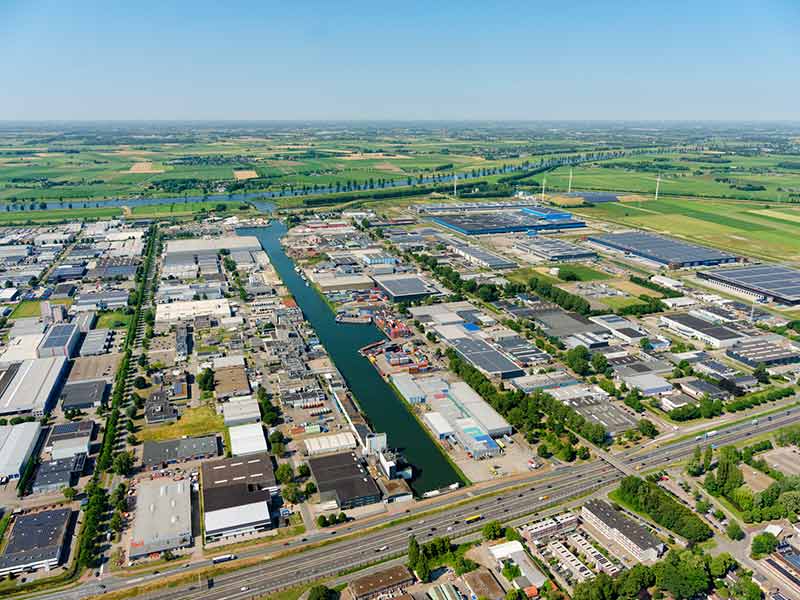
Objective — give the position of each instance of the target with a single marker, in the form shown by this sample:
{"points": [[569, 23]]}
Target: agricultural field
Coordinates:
{"points": [[771, 177], [770, 231]]}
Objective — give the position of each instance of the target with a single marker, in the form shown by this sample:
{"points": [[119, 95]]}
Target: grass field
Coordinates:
{"points": [[769, 231], [618, 302], [525, 273], [58, 215], [580, 273], [32, 308], [193, 422], [115, 319]]}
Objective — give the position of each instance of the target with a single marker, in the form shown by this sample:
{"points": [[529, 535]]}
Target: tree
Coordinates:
{"points": [[291, 493], [423, 570], [70, 493], [647, 428], [413, 552], [763, 544], [284, 473], [543, 451], [599, 362], [721, 564], [206, 380], [322, 521], [123, 464], [583, 453], [708, 457], [309, 489], [321, 592], [493, 530], [140, 382], [116, 522], [276, 437], [746, 589], [303, 470], [511, 571], [760, 373]]}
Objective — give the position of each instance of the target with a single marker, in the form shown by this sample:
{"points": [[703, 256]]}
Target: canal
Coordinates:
{"points": [[382, 407]]}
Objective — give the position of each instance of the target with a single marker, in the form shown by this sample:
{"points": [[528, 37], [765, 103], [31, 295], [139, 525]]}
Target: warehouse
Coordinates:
{"points": [[485, 358], [408, 388], [30, 386], [386, 583], [759, 351], [465, 397], [82, 395], [17, 445], [663, 250], [554, 249], [502, 222], [404, 288], [60, 340], [717, 336], [483, 258], [247, 439], [329, 282], [438, 424], [158, 454], [55, 475], [22, 347], [775, 283], [327, 444], [342, 479], [106, 300], [74, 434], [163, 517], [97, 342], [241, 411], [202, 246], [37, 541], [237, 496], [230, 382], [188, 311]]}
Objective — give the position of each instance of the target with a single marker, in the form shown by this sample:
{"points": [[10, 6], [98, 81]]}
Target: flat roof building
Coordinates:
{"points": [[241, 411], [36, 541], [663, 250], [30, 386], [247, 439], [718, 336], [776, 283], [237, 496], [190, 310], [404, 287], [163, 517], [757, 351], [343, 479], [230, 382], [17, 444], [157, 454], [634, 538], [81, 395], [554, 249], [385, 583], [60, 340]]}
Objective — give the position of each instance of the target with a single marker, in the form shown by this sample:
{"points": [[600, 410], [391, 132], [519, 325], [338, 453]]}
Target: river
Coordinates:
{"points": [[382, 407]]}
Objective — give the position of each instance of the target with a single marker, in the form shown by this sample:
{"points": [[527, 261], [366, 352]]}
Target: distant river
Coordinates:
{"points": [[381, 405]]}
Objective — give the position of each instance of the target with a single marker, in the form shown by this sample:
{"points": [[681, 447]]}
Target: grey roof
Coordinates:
{"points": [[555, 249], [58, 335], [59, 472], [776, 281], [615, 520], [662, 249], [237, 481], [81, 394], [399, 287], [344, 475], [484, 357], [36, 537], [156, 453]]}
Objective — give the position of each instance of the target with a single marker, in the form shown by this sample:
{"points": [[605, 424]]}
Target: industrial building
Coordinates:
{"points": [[241, 411], [775, 283], [60, 340], [485, 358], [343, 480], [483, 258], [760, 351], [82, 395], [404, 288], [237, 496], [99, 301], [55, 475], [327, 444], [17, 444], [190, 310], [247, 439], [553, 249], [68, 439], [37, 541], [634, 538], [504, 222], [96, 342], [30, 386], [386, 583], [408, 388], [663, 250], [158, 454], [230, 382], [163, 518], [717, 336]]}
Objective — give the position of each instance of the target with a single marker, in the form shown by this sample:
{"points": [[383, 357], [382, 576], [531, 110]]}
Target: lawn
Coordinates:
{"points": [[580, 273], [32, 308], [619, 302], [115, 319], [194, 421], [524, 274]]}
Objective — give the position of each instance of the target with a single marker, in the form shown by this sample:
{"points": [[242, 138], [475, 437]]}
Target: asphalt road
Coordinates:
{"points": [[540, 491]]}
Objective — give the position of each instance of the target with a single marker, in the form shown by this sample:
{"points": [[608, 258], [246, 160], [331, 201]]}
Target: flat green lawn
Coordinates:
{"points": [[58, 214], [619, 302], [524, 274], [32, 308], [580, 273], [194, 421], [115, 319]]}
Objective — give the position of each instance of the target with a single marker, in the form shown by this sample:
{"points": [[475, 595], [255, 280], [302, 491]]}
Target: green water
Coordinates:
{"points": [[381, 405]]}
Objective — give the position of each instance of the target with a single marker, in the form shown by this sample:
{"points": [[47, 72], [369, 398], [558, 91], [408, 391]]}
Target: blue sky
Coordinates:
{"points": [[402, 60]]}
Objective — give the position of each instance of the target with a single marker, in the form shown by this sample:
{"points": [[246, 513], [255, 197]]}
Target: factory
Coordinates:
{"points": [[343, 481], [237, 496], [507, 222], [174, 312], [61, 339], [481, 257], [774, 283], [247, 439], [758, 351], [717, 336], [17, 445], [241, 411], [97, 342], [404, 288], [83, 395], [662, 250], [163, 518], [553, 249], [157, 454], [99, 301]]}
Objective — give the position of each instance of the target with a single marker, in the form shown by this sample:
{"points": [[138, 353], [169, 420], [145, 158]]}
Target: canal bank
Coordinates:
{"points": [[380, 404]]}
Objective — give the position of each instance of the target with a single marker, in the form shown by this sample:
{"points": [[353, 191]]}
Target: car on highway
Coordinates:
{"points": [[382, 549]]}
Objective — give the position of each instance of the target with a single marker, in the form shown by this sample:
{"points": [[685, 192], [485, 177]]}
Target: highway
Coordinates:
{"points": [[539, 491]]}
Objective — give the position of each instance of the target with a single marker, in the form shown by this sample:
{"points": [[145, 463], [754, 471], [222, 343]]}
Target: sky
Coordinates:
{"points": [[432, 60]]}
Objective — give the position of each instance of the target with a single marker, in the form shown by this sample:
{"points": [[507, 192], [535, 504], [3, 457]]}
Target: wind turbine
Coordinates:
{"points": [[569, 188], [544, 183]]}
